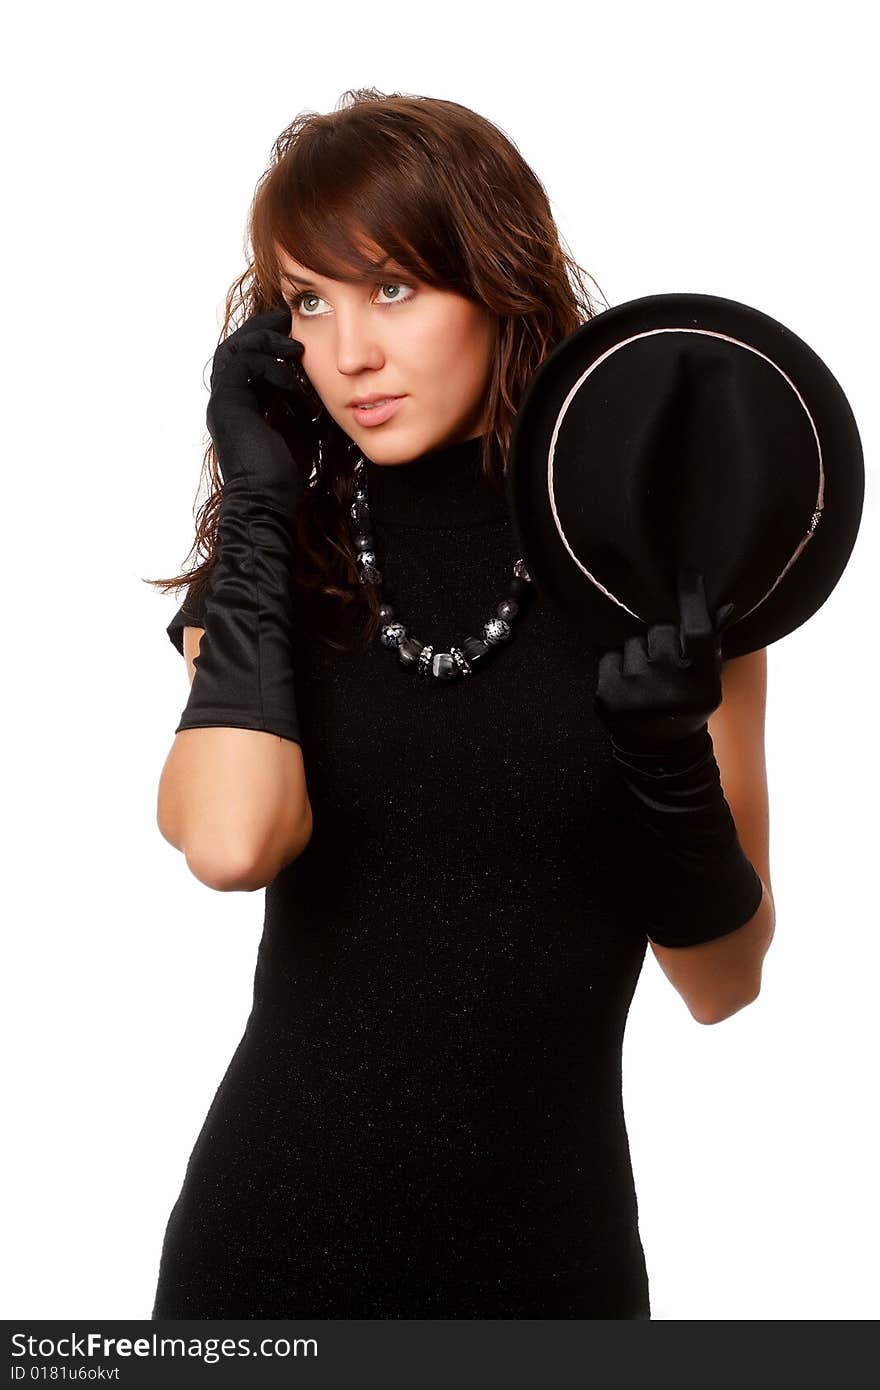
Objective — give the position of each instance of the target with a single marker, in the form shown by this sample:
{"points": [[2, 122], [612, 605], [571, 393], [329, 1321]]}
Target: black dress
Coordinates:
{"points": [[423, 1117]]}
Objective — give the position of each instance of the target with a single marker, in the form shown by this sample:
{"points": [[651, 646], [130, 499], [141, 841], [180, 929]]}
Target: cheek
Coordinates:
{"points": [[452, 347], [471, 352], [313, 362]]}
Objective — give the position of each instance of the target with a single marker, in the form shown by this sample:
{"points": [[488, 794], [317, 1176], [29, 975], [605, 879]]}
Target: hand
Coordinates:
{"points": [[246, 368], [667, 682]]}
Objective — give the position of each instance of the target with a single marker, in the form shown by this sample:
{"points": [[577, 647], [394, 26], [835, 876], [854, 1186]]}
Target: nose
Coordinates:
{"points": [[358, 345]]}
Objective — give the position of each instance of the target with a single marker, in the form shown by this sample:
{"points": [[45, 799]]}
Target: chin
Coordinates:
{"points": [[384, 445]]}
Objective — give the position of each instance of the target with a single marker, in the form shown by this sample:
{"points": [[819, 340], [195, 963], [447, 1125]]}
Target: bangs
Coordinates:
{"points": [[345, 211]]}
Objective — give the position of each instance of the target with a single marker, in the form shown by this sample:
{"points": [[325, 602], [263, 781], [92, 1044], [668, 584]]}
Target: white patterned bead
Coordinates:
{"points": [[496, 630]]}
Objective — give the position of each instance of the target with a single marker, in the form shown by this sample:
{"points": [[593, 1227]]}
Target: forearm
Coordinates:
{"points": [[244, 666], [233, 796], [693, 881], [718, 978], [235, 803]]}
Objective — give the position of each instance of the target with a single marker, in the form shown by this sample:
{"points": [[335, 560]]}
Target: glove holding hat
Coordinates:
{"points": [[686, 481]]}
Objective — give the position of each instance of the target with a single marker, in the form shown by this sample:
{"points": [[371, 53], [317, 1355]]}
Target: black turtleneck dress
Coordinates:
{"points": [[423, 1117]]}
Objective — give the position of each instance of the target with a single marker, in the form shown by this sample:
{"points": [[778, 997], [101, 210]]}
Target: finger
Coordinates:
{"points": [[250, 369], [635, 655], [280, 374], [609, 665], [264, 369], [263, 340], [276, 320], [255, 363], [696, 624], [664, 643]]}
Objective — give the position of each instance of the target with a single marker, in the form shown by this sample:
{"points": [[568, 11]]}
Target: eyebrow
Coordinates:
{"points": [[301, 279], [297, 280]]}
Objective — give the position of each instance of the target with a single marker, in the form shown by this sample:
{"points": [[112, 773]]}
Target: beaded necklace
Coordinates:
{"points": [[473, 653]]}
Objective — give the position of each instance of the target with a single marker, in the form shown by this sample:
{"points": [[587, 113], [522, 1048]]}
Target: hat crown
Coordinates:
{"points": [[682, 444]]}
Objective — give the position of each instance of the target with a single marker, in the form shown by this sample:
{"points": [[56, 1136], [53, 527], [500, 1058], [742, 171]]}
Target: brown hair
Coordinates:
{"points": [[448, 195]]}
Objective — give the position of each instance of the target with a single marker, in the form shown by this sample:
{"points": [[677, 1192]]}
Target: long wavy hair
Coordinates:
{"points": [[449, 196]]}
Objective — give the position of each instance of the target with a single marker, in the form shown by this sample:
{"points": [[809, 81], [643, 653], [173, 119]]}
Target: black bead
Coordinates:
{"points": [[445, 667], [520, 589], [475, 650], [409, 652]]}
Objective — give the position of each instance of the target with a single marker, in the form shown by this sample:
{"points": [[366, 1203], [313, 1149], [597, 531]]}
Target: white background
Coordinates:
{"points": [[716, 149]]}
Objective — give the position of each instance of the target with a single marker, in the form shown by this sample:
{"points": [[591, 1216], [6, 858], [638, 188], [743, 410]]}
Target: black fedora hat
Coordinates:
{"points": [[685, 431]]}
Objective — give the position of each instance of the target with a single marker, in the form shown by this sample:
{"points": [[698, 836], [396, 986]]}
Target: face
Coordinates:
{"points": [[397, 337]]}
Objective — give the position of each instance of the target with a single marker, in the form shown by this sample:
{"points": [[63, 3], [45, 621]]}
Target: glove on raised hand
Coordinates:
{"points": [[655, 697], [244, 670], [663, 686]]}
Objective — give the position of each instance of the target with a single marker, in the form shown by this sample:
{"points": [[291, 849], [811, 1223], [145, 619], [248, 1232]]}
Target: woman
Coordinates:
{"points": [[423, 1117]]}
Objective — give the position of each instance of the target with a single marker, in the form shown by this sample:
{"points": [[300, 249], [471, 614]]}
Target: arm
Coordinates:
{"points": [[232, 794], [234, 801], [718, 978]]}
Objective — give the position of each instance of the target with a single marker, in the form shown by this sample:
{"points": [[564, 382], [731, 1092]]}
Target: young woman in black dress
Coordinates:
{"points": [[391, 733]]}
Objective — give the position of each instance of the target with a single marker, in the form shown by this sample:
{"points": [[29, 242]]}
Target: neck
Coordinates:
{"points": [[443, 487]]}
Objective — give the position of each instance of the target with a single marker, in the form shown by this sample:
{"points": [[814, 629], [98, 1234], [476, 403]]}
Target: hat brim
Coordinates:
{"points": [[810, 580]]}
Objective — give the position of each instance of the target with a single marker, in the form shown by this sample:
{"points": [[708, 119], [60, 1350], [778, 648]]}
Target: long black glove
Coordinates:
{"points": [[244, 670], [694, 882]]}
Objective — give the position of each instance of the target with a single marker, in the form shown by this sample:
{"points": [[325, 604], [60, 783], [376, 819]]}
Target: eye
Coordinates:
{"points": [[396, 285], [299, 301]]}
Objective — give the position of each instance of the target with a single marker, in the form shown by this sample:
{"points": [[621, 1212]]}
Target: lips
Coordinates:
{"points": [[378, 413]]}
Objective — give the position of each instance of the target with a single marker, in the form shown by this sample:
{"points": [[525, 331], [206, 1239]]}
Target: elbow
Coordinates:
{"points": [[236, 811], [736, 978], [236, 868], [225, 866], [225, 873], [717, 1010], [722, 1004]]}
